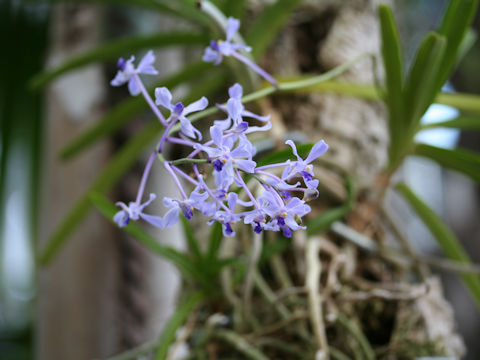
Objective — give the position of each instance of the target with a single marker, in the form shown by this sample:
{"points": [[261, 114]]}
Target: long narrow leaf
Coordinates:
{"points": [[191, 240], [235, 8], [446, 239], [126, 110], [455, 25], [176, 320], [118, 166], [464, 102], [422, 83], [462, 122], [180, 9], [214, 241], [117, 48], [392, 62], [461, 160], [266, 26], [179, 259]]}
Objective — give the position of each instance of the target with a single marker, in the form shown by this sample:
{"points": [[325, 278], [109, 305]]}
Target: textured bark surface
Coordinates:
{"points": [[320, 36]]}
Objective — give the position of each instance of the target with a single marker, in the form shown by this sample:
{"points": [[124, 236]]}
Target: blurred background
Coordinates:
{"points": [[30, 37]]}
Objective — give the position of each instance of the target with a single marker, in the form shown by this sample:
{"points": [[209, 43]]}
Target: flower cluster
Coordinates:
{"points": [[220, 166]]}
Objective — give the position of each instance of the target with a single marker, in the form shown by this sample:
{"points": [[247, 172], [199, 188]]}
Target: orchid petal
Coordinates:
{"points": [[163, 97], [133, 86], [171, 217], [196, 106], [294, 149], [211, 55], [249, 114], [235, 109], [153, 220], [317, 150], [146, 64], [235, 91], [232, 27], [188, 129]]}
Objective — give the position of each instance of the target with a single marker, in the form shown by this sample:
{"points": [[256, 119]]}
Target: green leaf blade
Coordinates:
{"points": [[392, 60], [460, 160], [117, 48], [108, 210], [462, 122], [266, 26], [446, 239], [455, 26], [118, 166], [176, 320], [422, 83], [191, 240]]}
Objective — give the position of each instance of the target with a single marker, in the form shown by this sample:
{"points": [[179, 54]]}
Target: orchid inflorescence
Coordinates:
{"points": [[227, 155]]}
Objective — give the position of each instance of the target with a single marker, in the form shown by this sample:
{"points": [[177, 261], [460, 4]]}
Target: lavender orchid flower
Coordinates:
{"points": [[227, 217], [304, 167], [224, 157], [218, 49], [134, 211], [236, 112], [128, 73], [163, 97], [187, 206], [283, 214]]}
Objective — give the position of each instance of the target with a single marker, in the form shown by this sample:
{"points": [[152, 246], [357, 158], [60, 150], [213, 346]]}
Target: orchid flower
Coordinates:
{"points": [[163, 97], [218, 49], [128, 73]]}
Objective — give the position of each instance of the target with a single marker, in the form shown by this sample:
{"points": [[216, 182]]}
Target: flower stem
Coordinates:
{"points": [[175, 178], [146, 172], [149, 100]]}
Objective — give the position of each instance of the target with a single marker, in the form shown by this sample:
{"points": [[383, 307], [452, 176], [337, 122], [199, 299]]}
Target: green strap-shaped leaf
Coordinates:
{"points": [[392, 62], [235, 8], [455, 25], [446, 239], [179, 8], [322, 222], [126, 110], [422, 82], [266, 26], [118, 166], [179, 259], [117, 48], [214, 241], [463, 122], [176, 320], [191, 240], [466, 45], [461, 160], [464, 102]]}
